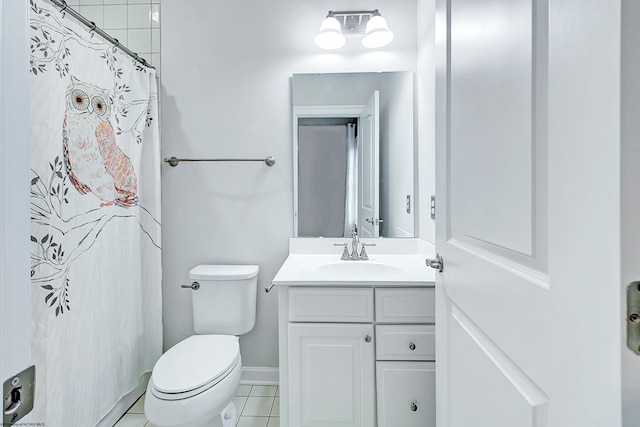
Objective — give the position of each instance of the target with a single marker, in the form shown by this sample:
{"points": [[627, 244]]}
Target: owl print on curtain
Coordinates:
{"points": [[93, 161], [93, 151]]}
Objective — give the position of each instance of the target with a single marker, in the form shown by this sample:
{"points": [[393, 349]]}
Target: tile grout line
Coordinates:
{"points": [[273, 402]]}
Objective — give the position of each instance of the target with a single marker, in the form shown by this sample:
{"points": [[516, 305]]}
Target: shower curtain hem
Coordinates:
{"points": [[126, 401]]}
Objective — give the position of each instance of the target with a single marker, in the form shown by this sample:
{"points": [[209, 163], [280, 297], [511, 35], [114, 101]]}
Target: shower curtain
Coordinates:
{"points": [[322, 166], [95, 221], [351, 191]]}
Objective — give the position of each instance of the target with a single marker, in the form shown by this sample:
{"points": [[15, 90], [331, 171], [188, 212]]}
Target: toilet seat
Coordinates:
{"points": [[194, 365]]}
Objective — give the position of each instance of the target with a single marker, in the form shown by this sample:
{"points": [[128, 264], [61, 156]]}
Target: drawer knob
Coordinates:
{"points": [[414, 407], [412, 346], [367, 338]]}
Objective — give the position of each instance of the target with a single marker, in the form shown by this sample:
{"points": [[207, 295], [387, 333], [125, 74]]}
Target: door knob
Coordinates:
{"points": [[437, 263], [412, 346], [414, 406], [367, 338]]}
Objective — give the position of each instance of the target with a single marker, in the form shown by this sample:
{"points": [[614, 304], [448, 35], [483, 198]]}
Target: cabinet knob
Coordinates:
{"points": [[414, 407], [412, 346], [367, 338]]}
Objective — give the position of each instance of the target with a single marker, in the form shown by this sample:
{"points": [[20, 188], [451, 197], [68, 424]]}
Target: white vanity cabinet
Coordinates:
{"points": [[357, 356], [331, 379], [331, 354]]}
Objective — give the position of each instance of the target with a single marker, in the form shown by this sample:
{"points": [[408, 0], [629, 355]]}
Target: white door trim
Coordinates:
{"points": [[15, 316], [315, 112]]}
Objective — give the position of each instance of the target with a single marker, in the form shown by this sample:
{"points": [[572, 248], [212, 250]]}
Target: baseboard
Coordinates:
{"points": [[259, 375], [121, 407]]}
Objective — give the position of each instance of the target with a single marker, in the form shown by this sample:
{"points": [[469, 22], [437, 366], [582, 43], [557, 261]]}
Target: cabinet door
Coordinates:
{"points": [[406, 394], [331, 375]]}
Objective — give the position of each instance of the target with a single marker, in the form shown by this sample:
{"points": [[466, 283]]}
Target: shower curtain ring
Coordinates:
{"points": [[93, 28], [116, 44], [63, 8]]}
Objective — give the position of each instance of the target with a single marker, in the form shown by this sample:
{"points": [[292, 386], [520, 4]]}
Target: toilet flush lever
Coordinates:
{"points": [[195, 286]]}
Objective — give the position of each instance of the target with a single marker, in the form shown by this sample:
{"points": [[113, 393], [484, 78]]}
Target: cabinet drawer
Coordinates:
{"points": [[405, 342], [409, 305], [406, 394], [331, 305]]}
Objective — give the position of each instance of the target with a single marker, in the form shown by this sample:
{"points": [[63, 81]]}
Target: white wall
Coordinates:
{"points": [[426, 117], [397, 146], [227, 93]]}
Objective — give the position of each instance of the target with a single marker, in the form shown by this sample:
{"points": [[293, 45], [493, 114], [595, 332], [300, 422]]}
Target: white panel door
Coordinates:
{"points": [[369, 168], [529, 316], [331, 375]]}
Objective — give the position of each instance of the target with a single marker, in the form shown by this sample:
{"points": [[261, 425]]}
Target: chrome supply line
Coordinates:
{"points": [[173, 161], [64, 8]]}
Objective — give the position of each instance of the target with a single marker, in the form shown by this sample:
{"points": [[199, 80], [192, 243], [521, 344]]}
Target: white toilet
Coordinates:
{"points": [[194, 382]]}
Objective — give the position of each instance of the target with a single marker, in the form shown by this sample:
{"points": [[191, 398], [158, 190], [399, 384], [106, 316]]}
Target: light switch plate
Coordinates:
{"points": [[18, 394]]}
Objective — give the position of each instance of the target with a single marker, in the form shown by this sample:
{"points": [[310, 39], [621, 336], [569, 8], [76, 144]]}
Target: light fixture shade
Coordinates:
{"points": [[377, 33], [330, 34]]}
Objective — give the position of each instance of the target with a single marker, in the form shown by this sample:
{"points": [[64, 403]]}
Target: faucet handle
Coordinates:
{"points": [[363, 251], [345, 253]]}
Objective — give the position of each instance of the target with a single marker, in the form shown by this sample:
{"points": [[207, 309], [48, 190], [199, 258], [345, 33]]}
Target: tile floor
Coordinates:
{"points": [[258, 406]]}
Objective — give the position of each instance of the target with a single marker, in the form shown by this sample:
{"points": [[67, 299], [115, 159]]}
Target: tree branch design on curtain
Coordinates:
{"points": [[50, 264]]}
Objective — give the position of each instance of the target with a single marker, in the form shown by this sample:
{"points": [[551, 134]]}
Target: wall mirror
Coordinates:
{"points": [[353, 150]]}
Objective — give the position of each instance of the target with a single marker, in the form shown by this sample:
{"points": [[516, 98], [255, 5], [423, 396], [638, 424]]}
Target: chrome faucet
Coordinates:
{"points": [[354, 242], [354, 255]]}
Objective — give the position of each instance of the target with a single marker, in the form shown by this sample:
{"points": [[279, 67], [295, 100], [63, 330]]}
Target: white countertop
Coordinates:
{"points": [[392, 262]]}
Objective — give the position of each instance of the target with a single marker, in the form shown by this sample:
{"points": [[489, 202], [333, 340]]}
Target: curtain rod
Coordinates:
{"points": [[64, 8]]}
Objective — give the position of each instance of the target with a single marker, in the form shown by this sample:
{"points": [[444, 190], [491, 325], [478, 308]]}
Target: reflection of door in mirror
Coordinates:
{"points": [[369, 182], [327, 186]]}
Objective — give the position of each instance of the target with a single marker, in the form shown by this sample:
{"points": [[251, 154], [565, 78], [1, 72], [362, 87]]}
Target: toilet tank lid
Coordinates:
{"points": [[223, 272]]}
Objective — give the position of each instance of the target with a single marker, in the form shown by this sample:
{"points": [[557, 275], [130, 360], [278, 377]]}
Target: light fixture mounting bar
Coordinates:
{"points": [[353, 21]]}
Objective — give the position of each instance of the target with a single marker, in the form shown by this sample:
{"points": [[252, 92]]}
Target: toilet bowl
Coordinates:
{"points": [[194, 382]]}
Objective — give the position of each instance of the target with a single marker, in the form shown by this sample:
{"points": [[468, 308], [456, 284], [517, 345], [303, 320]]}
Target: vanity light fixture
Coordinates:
{"points": [[330, 34], [367, 23]]}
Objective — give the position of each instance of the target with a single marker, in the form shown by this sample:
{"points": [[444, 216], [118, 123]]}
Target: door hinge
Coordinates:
{"points": [[633, 317]]}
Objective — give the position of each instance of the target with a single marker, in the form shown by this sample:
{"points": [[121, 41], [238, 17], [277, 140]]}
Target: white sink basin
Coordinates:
{"points": [[358, 268]]}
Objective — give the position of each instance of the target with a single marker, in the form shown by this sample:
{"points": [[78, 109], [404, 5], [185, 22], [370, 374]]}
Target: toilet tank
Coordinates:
{"points": [[225, 302]]}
